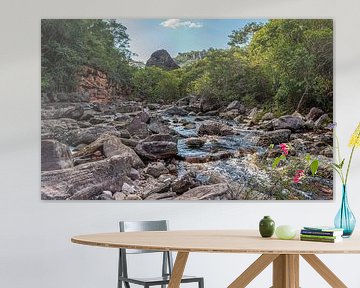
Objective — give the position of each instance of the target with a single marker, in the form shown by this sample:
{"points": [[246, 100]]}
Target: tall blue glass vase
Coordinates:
{"points": [[345, 219]]}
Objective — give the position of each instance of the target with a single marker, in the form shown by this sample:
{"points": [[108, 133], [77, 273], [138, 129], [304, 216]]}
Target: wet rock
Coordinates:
{"points": [[161, 137], [195, 142], [314, 114], [267, 116], [175, 111], [210, 157], [183, 184], [323, 121], [162, 59], [295, 124], [207, 105], [206, 192], [156, 169], [236, 105], [85, 182], [214, 128], [272, 137], [55, 156], [158, 127], [156, 150]]}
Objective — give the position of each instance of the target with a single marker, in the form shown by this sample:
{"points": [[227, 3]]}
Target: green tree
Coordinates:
{"points": [[67, 45], [243, 36], [297, 56], [156, 84]]}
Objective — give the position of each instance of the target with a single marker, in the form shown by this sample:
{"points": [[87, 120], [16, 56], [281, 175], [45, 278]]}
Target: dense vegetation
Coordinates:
{"points": [[67, 45], [283, 65]]}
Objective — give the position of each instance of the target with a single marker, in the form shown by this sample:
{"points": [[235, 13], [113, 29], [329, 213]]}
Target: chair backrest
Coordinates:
{"points": [[134, 226]]}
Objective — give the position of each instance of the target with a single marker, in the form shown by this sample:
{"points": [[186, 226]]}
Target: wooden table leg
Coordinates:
{"points": [[324, 271], [178, 270], [286, 271], [253, 270]]}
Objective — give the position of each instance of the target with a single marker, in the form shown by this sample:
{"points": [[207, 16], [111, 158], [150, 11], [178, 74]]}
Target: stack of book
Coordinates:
{"points": [[321, 234]]}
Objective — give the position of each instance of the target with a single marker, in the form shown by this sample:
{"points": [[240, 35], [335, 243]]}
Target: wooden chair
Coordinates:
{"points": [[167, 262]]}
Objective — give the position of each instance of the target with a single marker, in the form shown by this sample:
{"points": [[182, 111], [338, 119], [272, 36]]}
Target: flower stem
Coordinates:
{"points": [[348, 167]]}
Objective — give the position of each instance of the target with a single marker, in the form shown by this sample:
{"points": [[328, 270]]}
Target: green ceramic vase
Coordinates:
{"points": [[267, 227]]}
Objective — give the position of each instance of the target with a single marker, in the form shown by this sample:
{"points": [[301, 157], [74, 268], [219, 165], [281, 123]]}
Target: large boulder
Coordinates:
{"points": [[323, 121], [156, 169], [72, 112], [314, 114], [236, 105], [272, 137], [110, 146], [138, 128], [158, 126], [175, 111], [214, 128], [207, 105], [207, 192], [156, 150], [85, 182], [162, 59], [55, 156], [288, 122]]}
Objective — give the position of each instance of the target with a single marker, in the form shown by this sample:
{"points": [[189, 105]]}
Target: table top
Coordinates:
{"points": [[217, 241]]}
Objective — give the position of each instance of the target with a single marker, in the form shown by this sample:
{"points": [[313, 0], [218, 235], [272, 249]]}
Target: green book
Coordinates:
{"points": [[319, 236], [325, 240]]}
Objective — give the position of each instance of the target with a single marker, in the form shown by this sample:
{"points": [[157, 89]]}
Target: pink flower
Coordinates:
{"points": [[284, 148], [299, 174]]}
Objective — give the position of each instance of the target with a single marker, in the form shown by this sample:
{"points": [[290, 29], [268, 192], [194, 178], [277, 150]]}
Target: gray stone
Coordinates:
{"points": [[295, 124], [55, 156], [314, 114], [156, 169], [206, 192], [156, 150], [214, 128], [86, 181], [272, 137]]}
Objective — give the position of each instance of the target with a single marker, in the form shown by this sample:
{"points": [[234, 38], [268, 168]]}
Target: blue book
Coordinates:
{"points": [[322, 231]]}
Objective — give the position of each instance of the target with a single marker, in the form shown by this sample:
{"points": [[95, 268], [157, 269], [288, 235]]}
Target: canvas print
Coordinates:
{"points": [[186, 109]]}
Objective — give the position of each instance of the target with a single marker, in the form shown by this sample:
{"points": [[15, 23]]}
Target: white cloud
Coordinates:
{"points": [[176, 23]]}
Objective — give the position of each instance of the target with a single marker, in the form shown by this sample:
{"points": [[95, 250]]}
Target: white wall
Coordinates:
{"points": [[35, 248]]}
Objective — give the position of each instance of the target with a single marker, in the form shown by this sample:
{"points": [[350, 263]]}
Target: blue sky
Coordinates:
{"points": [[179, 35]]}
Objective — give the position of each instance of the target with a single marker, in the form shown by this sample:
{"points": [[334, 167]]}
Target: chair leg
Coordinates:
{"points": [[201, 283]]}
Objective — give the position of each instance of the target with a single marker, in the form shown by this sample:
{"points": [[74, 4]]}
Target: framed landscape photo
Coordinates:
{"points": [[186, 109]]}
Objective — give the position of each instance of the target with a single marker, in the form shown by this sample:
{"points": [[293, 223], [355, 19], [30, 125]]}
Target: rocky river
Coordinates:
{"points": [[191, 149]]}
